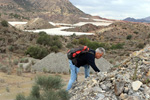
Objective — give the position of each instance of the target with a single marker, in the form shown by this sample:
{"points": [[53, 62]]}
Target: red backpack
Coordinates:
{"points": [[76, 52]]}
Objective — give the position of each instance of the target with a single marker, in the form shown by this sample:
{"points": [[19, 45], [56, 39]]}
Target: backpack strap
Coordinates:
{"points": [[91, 52]]}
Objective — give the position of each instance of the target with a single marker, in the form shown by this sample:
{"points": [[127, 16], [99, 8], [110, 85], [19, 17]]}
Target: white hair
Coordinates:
{"points": [[100, 50]]}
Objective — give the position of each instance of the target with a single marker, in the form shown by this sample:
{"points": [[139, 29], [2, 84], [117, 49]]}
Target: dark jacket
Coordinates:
{"points": [[87, 58]]}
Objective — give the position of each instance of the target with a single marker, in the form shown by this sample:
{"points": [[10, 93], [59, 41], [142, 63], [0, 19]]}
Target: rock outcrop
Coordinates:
{"points": [[129, 81]]}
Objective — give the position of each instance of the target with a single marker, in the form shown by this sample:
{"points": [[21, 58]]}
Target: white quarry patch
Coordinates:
{"points": [[57, 31], [57, 24], [16, 23], [102, 20], [84, 18], [94, 23]]}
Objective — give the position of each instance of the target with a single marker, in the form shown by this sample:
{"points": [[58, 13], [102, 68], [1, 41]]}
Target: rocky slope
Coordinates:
{"points": [[15, 41], [129, 81]]}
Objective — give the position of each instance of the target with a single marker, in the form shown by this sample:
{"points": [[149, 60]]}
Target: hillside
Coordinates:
{"points": [[126, 36], [51, 10]]}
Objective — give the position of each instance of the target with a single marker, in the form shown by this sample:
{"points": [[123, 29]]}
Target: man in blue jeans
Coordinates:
{"points": [[85, 60]]}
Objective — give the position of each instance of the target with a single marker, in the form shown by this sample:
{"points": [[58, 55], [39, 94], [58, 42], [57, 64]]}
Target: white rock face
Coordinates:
{"points": [[136, 85]]}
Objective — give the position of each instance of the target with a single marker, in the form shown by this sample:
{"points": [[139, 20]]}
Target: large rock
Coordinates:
{"points": [[58, 62]]}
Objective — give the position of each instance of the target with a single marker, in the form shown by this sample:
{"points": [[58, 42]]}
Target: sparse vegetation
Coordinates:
{"points": [[37, 52], [140, 45], [117, 46], [129, 37], [69, 45], [19, 71], [135, 72], [52, 41], [46, 88], [4, 23]]}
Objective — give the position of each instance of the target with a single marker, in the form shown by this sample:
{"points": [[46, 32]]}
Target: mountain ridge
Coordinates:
{"points": [[146, 20]]}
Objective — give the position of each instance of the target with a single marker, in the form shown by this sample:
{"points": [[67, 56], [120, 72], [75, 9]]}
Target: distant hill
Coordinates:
{"points": [[52, 10], [146, 20]]}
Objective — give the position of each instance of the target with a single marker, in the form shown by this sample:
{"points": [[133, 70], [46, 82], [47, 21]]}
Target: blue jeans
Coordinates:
{"points": [[74, 71]]}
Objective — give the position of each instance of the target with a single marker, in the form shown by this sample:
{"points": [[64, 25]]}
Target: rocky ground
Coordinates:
{"points": [[129, 81]]}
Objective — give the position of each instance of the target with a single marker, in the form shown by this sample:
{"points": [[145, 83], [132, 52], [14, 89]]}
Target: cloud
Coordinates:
{"points": [[116, 9]]}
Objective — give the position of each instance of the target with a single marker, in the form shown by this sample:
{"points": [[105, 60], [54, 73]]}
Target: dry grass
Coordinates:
{"points": [[22, 84]]}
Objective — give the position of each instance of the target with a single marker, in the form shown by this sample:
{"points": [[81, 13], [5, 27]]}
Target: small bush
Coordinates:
{"points": [[15, 62], [4, 23], [136, 32], [44, 39], [20, 97], [54, 48], [83, 41], [117, 46], [69, 45], [37, 52], [42, 33], [7, 89], [140, 45], [24, 60], [46, 88], [35, 92], [75, 42], [129, 37], [19, 71], [148, 36], [57, 43]]}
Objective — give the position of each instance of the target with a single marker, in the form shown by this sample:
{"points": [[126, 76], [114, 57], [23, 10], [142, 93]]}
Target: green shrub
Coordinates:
{"points": [[54, 48], [83, 41], [117, 46], [129, 37], [19, 71], [69, 45], [24, 60], [44, 39], [75, 42], [140, 45], [93, 45], [15, 62], [35, 92], [4, 23], [148, 36], [46, 88], [37, 52], [136, 32], [20, 97], [57, 43], [42, 33]]}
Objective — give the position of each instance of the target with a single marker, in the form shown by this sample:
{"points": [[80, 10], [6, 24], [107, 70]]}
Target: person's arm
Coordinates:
{"points": [[91, 62]]}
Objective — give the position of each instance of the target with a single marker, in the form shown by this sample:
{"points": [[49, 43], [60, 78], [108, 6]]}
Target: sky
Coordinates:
{"points": [[114, 9]]}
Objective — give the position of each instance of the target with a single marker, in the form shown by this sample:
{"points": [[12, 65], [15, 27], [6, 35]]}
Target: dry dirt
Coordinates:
{"points": [[11, 85]]}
